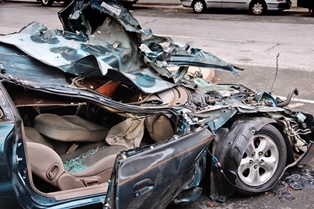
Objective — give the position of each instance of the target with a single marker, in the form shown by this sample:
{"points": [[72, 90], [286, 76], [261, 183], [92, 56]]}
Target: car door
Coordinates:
{"points": [[234, 4], [10, 157], [214, 3], [153, 176]]}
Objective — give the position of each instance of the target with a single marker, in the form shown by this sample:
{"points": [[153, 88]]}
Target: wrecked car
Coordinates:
{"points": [[106, 114]]}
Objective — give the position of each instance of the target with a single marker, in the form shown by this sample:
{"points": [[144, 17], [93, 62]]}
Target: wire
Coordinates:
{"points": [[217, 165]]}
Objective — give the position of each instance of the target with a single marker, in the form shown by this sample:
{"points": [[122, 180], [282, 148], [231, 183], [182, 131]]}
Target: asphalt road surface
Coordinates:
{"points": [[250, 42]]}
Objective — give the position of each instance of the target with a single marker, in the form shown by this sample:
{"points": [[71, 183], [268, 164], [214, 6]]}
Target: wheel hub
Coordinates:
{"points": [[198, 7], [258, 8], [259, 162]]}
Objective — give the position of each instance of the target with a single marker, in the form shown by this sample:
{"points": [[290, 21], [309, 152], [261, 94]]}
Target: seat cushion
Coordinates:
{"points": [[92, 161], [58, 128], [99, 161], [97, 132]]}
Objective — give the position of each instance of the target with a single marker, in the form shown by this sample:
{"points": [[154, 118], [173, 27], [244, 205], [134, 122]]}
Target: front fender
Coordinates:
{"points": [[229, 147]]}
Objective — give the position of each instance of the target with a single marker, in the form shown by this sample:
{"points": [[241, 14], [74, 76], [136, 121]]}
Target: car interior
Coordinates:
{"points": [[65, 141]]}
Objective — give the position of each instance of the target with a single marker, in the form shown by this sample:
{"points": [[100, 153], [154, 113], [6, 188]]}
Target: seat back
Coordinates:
{"points": [[159, 127], [48, 166], [69, 128], [45, 162]]}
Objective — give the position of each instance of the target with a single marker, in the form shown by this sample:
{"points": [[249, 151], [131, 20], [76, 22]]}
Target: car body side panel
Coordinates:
{"points": [[274, 5], [186, 3], [239, 4], [155, 176], [214, 3]]}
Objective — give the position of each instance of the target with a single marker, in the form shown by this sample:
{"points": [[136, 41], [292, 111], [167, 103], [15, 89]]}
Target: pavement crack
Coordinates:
{"points": [[278, 44], [152, 21]]}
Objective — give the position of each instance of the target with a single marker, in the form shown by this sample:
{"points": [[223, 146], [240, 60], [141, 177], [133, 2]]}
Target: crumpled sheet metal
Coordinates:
{"points": [[102, 36]]}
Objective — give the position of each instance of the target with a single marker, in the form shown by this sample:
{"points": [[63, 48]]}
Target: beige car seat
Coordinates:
{"points": [[69, 128], [159, 127], [48, 165]]}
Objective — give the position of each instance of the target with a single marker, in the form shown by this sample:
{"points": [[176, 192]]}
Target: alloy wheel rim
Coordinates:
{"points": [[257, 8], [259, 162], [198, 6]]}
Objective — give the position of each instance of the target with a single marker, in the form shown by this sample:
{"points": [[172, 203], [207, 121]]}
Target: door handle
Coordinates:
{"points": [[142, 187]]}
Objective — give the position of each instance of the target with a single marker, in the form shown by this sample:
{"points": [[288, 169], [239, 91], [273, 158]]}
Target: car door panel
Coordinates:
{"points": [[10, 131], [214, 3], [154, 176], [234, 4]]}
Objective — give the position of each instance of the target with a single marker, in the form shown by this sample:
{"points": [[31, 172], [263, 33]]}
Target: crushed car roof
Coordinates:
{"points": [[99, 38]]}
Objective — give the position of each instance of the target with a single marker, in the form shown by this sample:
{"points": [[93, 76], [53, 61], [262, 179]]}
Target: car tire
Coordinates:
{"points": [[258, 7], [263, 162], [46, 3], [199, 6]]}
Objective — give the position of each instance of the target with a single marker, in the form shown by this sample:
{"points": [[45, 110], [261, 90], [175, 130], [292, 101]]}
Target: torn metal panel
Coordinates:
{"points": [[102, 36]]}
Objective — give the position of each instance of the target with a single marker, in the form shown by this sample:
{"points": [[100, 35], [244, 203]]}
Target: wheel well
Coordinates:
{"points": [[197, 0], [229, 145], [290, 158], [262, 1]]}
